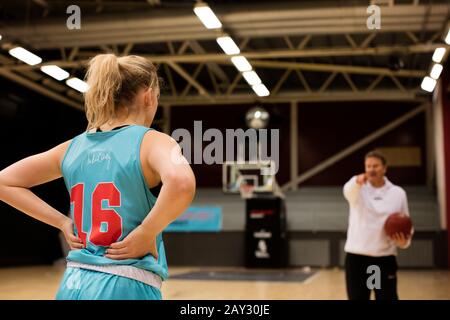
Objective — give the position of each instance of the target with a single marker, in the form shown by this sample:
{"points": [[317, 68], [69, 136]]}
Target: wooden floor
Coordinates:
{"points": [[41, 282]]}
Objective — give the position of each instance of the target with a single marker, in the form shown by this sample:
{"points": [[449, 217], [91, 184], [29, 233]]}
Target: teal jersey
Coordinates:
{"points": [[109, 196]]}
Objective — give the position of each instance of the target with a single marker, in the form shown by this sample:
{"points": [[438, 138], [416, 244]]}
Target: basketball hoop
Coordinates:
{"points": [[246, 190]]}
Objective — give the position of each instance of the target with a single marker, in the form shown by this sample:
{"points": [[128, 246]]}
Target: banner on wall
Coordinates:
{"points": [[198, 219]]}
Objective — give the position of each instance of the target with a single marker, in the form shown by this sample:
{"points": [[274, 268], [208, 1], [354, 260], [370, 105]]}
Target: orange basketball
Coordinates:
{"points": [[398, 223]]}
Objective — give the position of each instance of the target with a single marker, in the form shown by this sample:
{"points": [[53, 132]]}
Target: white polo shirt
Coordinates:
{"points": [[369, 209]]}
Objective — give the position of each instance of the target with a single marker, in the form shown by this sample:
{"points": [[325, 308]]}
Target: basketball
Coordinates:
{"points": [[398, 223]]}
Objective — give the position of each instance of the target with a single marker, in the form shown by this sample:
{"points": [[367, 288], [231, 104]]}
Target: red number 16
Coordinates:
{"points": [[109, 219]]}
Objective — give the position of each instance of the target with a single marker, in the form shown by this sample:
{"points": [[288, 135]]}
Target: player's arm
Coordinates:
{"points": [[178, 183], [164, 158], [17, 179], [400, 240], [352, 188]]}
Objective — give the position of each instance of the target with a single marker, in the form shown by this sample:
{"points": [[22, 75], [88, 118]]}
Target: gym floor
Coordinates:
{"points": [[41, 283]]}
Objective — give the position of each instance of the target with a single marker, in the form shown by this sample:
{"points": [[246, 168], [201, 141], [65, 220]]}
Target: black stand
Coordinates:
{"points": [[266, 244]]}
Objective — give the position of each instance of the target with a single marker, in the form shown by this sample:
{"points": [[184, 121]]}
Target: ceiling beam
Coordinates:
{"points": [[265, 21], [201, 90], [324, 52], [40, 89], [287, 97]]}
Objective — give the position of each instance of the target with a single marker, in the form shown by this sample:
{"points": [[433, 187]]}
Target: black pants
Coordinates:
{"points": [[361, 277]]}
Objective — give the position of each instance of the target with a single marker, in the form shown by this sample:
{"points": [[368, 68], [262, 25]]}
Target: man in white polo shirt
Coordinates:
{"points": [[372, 198]]}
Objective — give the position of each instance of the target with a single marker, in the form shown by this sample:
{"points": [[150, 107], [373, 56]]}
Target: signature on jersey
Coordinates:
{"points": [[99, 157]]}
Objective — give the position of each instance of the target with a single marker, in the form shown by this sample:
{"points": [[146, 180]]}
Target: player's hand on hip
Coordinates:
{"points": [[137, 244], [72, 240], [399, 239], [361, 179]]}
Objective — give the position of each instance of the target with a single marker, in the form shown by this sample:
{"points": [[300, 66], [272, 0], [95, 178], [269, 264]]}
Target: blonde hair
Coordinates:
{"points": [[113, 82]]}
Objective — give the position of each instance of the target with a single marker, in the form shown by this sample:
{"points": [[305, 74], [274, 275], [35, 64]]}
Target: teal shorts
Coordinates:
{"points": [[82, 284]]}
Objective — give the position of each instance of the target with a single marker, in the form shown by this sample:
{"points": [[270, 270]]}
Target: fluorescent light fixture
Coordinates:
{"points": [[55, 72], [207, 16], [77, 84], [428, 84], [25, 56], [0, 37], [438, 54], [251, 77], [436, 71], [228, 46], [447, 38], [260, 90], [241, 63]]}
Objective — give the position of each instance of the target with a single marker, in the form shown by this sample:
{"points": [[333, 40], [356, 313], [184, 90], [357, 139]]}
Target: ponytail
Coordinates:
{"points": [[104, 80], [114, 82]]}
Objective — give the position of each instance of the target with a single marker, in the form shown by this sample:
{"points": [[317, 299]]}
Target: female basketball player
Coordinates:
{"points": [[116, 221]]}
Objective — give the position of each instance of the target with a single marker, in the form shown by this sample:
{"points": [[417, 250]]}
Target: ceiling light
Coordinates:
{"points": [[438, 54], [261, 90], [251, 77], [77, 84], [25, 56], [55, 72], [428, 84], [207, 16], [436, 71], [241, 63], [228, 46]]}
